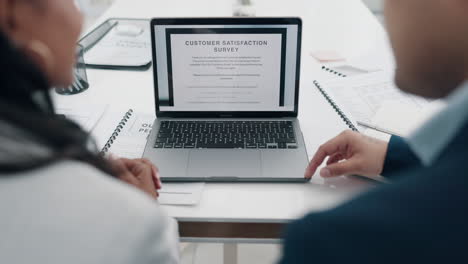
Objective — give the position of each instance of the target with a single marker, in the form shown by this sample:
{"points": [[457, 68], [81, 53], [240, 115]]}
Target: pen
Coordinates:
{"points": [[376, 128]]}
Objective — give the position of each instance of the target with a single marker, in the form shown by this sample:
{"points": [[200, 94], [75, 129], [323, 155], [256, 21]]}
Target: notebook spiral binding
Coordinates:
{"points": [[336, 107], [333, 71], [117, 131]]}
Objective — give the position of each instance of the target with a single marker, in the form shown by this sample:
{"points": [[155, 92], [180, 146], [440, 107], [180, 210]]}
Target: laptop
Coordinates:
{"points": [[227, 92]]}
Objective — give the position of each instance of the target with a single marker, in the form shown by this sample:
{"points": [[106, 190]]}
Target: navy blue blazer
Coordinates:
{"points": [[422, 217]]}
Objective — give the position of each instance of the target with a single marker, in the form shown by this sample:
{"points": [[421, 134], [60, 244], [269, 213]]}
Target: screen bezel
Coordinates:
{"points": [[227, 21]]}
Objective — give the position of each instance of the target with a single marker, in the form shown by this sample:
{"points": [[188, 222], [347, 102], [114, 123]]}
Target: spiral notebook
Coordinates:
{"points": [[129, 134], [359, 98], [344, 70], [335, 106]]}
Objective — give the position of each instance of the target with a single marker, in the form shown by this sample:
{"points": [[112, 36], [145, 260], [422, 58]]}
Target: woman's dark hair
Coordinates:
{"points": [[25, 107]]}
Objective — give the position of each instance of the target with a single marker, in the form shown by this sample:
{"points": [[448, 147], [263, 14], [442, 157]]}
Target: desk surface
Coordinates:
{"points": [[346, 26]]}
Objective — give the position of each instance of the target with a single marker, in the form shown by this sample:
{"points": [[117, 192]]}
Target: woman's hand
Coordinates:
{"points": [[349, 153], [140, 173]]}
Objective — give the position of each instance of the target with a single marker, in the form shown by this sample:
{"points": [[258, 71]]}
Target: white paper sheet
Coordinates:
{"points": [[87, 117], [181, 193]]}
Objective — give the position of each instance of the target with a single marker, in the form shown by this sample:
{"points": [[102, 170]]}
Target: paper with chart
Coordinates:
{"points": [[362, 96], [401, 119]]}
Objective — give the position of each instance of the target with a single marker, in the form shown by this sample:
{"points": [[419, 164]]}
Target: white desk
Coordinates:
{"points": [[232, 210]]}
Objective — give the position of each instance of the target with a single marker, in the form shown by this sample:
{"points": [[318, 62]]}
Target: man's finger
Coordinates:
{"points": [[335, 158], [339, 169], [327, 149]]}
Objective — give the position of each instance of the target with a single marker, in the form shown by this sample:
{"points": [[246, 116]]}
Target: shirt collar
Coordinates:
{"points": [[430, 140]]}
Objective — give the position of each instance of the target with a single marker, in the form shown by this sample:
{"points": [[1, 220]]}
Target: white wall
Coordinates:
{"points": [[94, 7]]}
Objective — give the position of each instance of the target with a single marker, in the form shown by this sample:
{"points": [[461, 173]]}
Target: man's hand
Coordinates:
{"points": [[140, 173], [349, 153]]}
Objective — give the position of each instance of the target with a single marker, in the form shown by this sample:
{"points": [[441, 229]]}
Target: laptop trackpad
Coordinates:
{"points": [[220, 163]]}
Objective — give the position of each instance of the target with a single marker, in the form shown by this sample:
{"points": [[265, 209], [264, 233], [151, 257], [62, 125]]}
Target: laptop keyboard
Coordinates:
{"points": [[226, 135]]}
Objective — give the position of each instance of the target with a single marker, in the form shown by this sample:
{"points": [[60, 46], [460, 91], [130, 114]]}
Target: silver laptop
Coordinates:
{"points": [[227, 93]]}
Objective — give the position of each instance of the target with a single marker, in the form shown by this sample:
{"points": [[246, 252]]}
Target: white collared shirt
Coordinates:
{"points": [[429, 141]]}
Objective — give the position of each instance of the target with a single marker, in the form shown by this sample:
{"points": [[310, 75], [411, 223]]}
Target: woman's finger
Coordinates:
{"points": [[157, 178], [124, 173], [147, 180], [138, 174], [129, 163]]}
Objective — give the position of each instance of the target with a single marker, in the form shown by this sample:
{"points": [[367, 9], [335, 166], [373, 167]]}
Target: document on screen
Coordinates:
{"points": [[213, 72]]}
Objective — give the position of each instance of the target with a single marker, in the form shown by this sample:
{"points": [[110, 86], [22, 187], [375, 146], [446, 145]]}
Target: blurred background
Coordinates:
{"points": [[213, 253], [94, 8]]}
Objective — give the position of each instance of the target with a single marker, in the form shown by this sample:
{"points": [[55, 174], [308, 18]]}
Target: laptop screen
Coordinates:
{"points": [[226, 67]]}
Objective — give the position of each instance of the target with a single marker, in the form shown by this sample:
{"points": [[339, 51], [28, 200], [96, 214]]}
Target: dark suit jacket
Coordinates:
{"points": [[422, 217]]}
